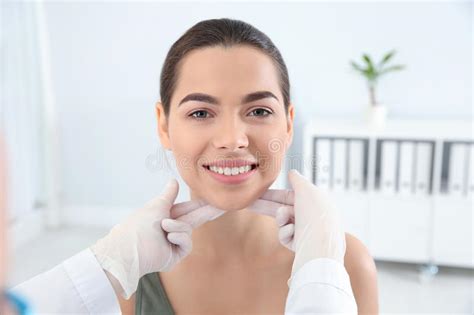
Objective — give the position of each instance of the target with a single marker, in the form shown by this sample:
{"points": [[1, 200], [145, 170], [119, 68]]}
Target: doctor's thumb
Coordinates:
{"points": [[296, 179], [170, 191]]}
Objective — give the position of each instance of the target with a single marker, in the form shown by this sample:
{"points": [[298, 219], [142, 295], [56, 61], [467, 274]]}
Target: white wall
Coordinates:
{"points": [[107, 58]]}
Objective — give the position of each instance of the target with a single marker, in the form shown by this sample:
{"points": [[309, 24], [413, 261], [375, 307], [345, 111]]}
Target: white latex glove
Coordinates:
{"points": [[150, 239], [310, 225]]}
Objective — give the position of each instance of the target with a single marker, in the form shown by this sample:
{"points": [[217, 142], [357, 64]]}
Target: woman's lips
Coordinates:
{"points": [[231, 179]]}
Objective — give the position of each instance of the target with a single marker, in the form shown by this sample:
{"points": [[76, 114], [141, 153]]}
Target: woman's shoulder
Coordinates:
{"points": [[363, 275], [127, 307], [358, 255]]}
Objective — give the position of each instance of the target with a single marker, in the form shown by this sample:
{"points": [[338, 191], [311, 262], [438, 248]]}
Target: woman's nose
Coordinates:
{"points": [[231, 134]]}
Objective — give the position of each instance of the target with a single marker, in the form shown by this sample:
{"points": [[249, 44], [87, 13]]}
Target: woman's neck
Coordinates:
{"points": [[236, 236]]}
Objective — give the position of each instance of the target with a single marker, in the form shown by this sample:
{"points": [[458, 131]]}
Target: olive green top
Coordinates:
{"points": [[151, 296]]}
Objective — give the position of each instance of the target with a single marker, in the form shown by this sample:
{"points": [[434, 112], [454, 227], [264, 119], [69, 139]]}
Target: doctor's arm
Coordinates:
{"points": [[362, 275], [320, 286], [312, 227], [78, 285], [98, 279]]}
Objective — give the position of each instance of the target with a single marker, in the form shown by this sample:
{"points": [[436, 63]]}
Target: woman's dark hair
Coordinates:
{"points": [[219, 32]]}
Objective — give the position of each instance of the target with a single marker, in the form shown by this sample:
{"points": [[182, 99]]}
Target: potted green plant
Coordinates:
{"points": [[372, 72]]}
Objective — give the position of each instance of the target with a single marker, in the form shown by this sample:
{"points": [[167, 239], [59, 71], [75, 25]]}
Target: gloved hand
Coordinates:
{"points": [[150, 239], [310, 225]]}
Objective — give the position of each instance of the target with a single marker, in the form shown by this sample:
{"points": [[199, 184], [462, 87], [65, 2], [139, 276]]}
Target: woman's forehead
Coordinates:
{"points": [[217, 70]]}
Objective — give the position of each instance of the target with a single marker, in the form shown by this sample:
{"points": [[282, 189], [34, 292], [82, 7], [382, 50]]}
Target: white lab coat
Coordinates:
{"points": [[79, 286]]}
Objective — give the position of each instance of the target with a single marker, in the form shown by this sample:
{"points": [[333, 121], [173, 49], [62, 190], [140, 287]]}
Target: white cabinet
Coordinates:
{"points": [[453, 207], [406, 190]]}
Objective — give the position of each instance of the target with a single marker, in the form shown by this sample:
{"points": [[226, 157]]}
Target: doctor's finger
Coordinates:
{"points": [[182, 240], [284, 196], [170, 225], [265, 207], [286, 233], [182, 208], [168, 196], [298, 181], [285, 215], [201, 215]]}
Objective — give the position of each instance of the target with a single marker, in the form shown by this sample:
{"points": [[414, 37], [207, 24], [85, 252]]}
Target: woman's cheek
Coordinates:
{"points": [[272, 154], [184, 152]]}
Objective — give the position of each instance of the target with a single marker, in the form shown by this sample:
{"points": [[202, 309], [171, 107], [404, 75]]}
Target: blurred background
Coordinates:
{"points": [[390, 134]]}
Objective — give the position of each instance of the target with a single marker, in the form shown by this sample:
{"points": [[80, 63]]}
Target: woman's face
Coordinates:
{"points": [[227, 122]]}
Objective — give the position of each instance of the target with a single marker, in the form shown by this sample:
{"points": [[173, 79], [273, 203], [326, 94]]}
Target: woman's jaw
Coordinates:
{"points": [[230, 200]]}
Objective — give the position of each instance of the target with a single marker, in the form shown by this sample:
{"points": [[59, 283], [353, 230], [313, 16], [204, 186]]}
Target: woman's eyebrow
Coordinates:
{"points": [[206, 98]]}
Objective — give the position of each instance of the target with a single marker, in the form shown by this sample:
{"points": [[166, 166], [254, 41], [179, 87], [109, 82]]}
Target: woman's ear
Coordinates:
{"points": [[162, 126], [290, 120]]}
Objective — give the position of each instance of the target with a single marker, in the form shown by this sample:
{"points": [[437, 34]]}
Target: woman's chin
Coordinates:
{"points": [[231, 200], [229, 204]]}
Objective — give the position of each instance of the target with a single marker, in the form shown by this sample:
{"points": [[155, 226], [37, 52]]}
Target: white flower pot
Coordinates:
{"points": [[377, 115]]}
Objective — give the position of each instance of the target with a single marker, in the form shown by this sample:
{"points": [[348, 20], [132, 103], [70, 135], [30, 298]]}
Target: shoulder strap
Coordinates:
{"points": [[151, 297]]}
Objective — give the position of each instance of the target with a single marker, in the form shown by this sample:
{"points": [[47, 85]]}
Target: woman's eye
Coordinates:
{"points": [[203, 114], [259, 112], [199, 117]]}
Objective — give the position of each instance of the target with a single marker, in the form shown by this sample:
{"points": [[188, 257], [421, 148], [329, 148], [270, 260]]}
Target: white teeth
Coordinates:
{"points": [[230, 171]]}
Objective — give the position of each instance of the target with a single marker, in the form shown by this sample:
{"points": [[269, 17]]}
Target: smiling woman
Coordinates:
{"points": [[225, 113]]}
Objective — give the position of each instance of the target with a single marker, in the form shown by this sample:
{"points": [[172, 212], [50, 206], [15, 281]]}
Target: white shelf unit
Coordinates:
{"points": [[405, 189]]}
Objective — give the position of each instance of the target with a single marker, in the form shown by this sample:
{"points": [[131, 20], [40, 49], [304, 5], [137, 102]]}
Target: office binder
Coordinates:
{"points": [[470, 182], [339, 166], [323, 162], [356, 166], [406, 171], [423, 168], [388, 167], [457, 169]]}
